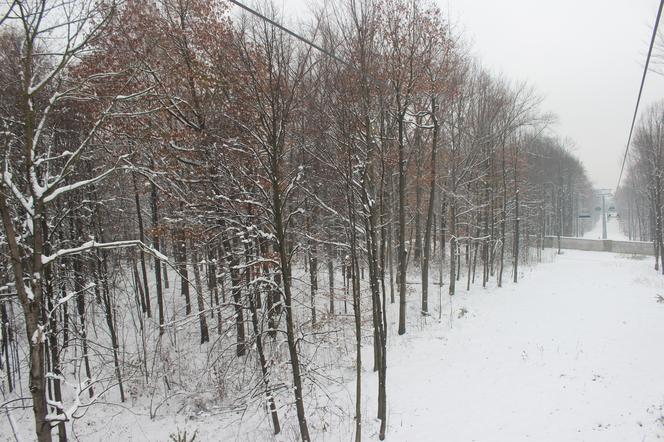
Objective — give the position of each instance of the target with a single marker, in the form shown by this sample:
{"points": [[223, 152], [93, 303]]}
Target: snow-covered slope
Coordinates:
{"points": [[571, 353], [613, 230]]}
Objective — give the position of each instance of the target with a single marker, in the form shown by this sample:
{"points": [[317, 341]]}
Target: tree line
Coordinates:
{"points": [[639, 197], [193, 199]]}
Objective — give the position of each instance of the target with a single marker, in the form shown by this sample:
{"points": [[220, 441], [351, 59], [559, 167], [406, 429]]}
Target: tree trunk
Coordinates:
{"points": [[108, 310], [80, 289], [284, 261], [263, 363], [313, 278], [236, 293], [330, 273], [453, 248], [181, 256], [52, 349], [202, 321], [430, 211], [32, 312], [516, 236], [417, 249], [157, 261], [145, 292], [402, 254]]}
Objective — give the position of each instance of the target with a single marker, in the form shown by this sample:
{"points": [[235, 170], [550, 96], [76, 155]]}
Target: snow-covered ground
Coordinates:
{"points": [[573, 352], [613, 230]]}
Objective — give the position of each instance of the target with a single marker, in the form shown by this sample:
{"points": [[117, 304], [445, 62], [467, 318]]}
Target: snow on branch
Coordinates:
{"points": [[68, 296], [94, 245], [25, 201], [64, 189], [52, 192]]}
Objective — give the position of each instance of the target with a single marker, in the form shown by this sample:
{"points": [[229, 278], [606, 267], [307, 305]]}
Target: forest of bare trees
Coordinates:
{"points": [[199, 208], [639, 199]]}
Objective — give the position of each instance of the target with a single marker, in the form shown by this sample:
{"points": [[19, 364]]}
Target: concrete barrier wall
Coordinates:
{"points": [[634, 247], [601, 245]]}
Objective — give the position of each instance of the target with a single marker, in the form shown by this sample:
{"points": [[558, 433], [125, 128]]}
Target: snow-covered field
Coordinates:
{"points": [[613, 230], [573, 352]]}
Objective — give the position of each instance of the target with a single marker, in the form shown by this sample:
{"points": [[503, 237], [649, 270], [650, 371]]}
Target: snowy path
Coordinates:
{"points": [[613, 230], [574, 352]]}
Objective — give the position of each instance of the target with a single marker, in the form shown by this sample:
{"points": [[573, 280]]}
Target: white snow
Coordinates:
{"points": [[573, 352], [29, 292], [92, 244], [613, 230], [68, 188], [39, 335]]}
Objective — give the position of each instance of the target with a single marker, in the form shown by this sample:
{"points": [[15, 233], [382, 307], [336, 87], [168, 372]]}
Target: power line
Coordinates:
{"points": [[643, 81], [291, 33]]}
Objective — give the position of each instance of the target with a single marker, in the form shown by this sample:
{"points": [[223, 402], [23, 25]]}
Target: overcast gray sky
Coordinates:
{"points": [[585, 57]]}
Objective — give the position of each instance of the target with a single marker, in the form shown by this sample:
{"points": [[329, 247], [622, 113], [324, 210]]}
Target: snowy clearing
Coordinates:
{"points": [[222, 221], [613, 230], [550, 359]]}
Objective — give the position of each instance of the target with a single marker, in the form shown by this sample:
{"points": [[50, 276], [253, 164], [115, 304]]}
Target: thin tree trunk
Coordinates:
{"points": [[108, 309], [80, 288], [453, 249], [516, 236], [330, 273], [284, 261], [236, 293], [430, 211], [417, 249], [202, 321], [313, 279], [145, 291], [164, 269], [157, 261], [183, 269], [52, 348], [402, 254], [263, 363]]}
